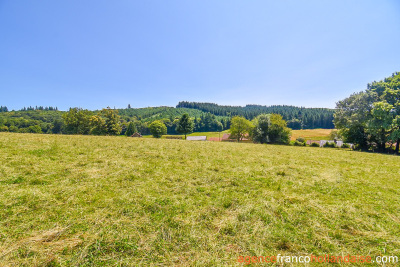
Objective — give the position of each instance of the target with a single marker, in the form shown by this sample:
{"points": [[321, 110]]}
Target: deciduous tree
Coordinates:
{"points": [[240, 127], [158, 129]]}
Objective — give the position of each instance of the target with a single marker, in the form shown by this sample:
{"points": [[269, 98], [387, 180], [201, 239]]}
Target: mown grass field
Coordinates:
{"points": [[311, 134], [111, 201], [208, 134]]}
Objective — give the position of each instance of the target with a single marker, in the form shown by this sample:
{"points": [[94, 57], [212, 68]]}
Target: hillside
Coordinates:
{"points": [[297, 117], [207, 117], [92, 200]]}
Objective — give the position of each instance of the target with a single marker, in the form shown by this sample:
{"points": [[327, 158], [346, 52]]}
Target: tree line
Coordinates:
{"points": [[265, 128], [50, 120], [296, 117], [371, 118], [41, 119]]}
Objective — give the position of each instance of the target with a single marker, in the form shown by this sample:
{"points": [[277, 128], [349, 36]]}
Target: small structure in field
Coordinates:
{"points": [[196, 138], [136, 135]]}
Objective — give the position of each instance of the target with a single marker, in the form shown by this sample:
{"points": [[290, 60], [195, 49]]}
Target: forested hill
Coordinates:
{"points": [[297, 117], [206, 117]]}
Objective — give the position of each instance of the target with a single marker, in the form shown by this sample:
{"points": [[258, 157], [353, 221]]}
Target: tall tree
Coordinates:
{"points": [[131, 129], [260, 132], [112, 121], [278, 131], [370, 118], [185, 125], [240, 127], [77, 121], [98, 125]]}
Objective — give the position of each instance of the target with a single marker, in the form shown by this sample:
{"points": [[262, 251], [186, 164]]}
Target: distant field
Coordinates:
{"points": [[115, 201], [208, 134], [314, 134]]}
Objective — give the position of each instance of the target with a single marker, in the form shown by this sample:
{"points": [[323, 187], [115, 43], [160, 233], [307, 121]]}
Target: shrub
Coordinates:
{"points": [[313, 144], [13, 128], [3, 128], [297, 143], [158, 129], [301, 139], [345, 145], [329, 144]]}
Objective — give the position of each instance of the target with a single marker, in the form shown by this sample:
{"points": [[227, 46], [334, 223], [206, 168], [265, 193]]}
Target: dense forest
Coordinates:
{"points": [[297, 117], [206, 117]]}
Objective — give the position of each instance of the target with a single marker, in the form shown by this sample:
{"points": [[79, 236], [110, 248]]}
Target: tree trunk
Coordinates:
{"points": [[397, 146]]}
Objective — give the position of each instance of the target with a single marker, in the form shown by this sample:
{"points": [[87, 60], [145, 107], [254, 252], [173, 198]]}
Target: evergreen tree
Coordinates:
{"points": [[131, 129], [185, 125]]}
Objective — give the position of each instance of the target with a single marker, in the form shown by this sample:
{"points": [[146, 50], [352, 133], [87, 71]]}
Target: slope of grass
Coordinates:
{"points": [[208, 134], [311, 134], [89, 200]]}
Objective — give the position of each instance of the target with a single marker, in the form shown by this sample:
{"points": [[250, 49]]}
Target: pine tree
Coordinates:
{"points": [[131, 129], [185, 125]]}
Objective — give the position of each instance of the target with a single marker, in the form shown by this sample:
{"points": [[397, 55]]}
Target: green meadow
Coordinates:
{"points": [[113, 201]]}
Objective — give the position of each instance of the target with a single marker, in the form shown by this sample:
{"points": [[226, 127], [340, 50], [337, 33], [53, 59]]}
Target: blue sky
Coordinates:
{"points": [[94, 54]]}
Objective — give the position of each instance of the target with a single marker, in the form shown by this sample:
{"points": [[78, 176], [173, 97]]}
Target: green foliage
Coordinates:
{"points": [[158, 129], [298, 118], [369, 119], [298, 143], [58, 126], [329, 144], [98, 125], [313, 144], [82, 121], [345, 145], [270, 128], [77, 121], [240, 127], [335, 135], [20, 121], [131, 129], [34, 129], [261, 126], [185, 125], [3, 128], [278, 131], [112, 121], [301, 139]]}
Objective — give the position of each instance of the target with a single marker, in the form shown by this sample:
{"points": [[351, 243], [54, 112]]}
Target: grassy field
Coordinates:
{"points": [[311, 134], [208, 134], [110, 201]]}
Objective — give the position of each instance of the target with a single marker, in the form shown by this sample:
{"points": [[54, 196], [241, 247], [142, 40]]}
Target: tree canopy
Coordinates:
{"points": [[185, 125], [158, 129], [270, 128], [371, 118], [240, 127]]}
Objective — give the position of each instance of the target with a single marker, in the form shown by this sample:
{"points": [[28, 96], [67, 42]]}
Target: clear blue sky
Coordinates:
{"points": [[94, 54]]}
